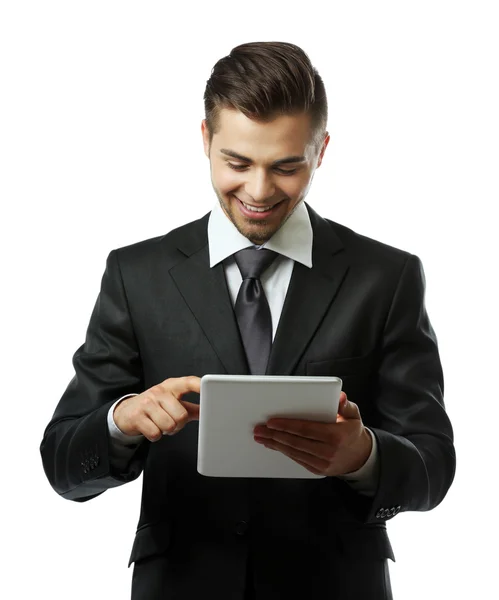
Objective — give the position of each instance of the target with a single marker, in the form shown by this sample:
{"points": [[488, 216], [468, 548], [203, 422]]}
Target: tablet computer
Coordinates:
{"points": [[230, 406]]}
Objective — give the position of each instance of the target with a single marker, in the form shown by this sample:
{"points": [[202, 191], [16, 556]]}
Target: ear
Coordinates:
{"points": [[323, 149], [206, 138]]}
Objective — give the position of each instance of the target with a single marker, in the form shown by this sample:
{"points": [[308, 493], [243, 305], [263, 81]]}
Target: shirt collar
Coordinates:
{"points": [[293, 240]]}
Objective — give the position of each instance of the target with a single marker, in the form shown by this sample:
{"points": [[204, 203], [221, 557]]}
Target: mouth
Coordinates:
{"points": [[256, 212]]}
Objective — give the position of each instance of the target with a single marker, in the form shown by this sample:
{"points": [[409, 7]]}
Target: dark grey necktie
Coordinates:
{"points": [[252, 309]]}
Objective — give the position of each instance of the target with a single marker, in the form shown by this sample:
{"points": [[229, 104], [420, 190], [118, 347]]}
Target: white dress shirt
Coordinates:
{"points": [[292, 242]]}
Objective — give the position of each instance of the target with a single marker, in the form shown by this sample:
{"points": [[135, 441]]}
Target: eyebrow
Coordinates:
{"points": [[281, 161]]}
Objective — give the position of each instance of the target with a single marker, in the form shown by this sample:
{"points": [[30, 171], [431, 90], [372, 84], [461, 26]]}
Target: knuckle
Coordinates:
{"points": [[183, 416], [154, 435], [145, 400], [170, 428], [190, 380], [154, 391], [149, 398]]}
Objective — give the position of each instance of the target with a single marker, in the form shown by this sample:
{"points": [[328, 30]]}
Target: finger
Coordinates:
{"points": [[160, 415], [288, 442], [313, 430], [310, 460], [182, 385], [170, 399], [161, 408], [149, 428], [192, 410], [146, 414], [181, 411], [192, 415], [348, 410], [341, 405]]}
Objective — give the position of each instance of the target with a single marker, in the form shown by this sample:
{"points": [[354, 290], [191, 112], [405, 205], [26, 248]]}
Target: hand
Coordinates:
{"points": [[323, 448], [159, 410]]}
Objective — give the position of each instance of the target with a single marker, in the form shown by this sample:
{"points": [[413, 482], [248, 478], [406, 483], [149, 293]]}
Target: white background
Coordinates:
{"points": [[100, 147]]}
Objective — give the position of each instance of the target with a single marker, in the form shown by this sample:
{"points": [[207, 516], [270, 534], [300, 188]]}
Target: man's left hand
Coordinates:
{"points": [[329, 449]]}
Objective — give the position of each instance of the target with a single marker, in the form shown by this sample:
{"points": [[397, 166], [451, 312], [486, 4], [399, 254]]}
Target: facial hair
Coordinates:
{"points": [[264, 232]]}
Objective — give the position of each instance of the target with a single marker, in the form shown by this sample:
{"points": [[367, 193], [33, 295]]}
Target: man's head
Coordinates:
{"points": [[264, 102]]}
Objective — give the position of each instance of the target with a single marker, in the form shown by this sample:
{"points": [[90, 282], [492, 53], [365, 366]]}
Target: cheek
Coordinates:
{"points": [[225, 182], [295, 186]]}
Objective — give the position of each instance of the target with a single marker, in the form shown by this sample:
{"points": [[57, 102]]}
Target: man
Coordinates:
{"points": [[262, 283]]}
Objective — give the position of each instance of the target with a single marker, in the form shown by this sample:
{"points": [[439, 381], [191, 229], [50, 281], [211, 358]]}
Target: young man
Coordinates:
{"points": [[260, 284]]}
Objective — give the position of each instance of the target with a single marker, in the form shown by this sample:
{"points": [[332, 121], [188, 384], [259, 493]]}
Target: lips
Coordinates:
{"points": [[257, 205], [256, 215]]}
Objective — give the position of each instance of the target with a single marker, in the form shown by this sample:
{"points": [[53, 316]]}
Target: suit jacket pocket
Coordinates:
{"points": [[150, 540], [342, 367], [365, 543]]}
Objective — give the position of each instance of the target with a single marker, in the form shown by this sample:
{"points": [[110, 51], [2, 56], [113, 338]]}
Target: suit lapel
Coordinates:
{"points": [[309, 295], [206, 293]]}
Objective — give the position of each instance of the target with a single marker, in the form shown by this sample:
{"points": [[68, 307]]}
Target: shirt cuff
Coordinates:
{"points": [[365, 479], [115, 432]]}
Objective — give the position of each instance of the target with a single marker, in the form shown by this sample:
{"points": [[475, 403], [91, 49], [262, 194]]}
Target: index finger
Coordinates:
{"points": [[182, 385]]}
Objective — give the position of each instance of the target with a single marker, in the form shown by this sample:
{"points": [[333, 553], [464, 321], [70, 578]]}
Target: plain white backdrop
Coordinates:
{"points": [[100, 147]]}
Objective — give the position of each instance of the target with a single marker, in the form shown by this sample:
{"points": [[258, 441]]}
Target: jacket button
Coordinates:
{"points": [[241, 527]]}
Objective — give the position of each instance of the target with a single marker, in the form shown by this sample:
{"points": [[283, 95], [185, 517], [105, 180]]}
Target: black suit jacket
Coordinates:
{"points": [[358, 314]]}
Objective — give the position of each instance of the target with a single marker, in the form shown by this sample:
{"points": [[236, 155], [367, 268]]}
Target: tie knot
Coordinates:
{"points": [[253, 262]]}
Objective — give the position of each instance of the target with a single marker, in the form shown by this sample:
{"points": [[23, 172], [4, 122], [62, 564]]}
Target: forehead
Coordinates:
{"points": [[286, 134]]}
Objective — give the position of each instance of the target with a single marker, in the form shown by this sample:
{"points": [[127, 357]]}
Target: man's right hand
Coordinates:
{"points": [[159, 410]]}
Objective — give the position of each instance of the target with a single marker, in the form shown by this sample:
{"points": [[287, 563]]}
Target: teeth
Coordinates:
{"points": [[256, 209]]}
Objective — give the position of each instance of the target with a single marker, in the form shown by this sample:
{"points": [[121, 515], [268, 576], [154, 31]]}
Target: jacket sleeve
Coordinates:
{"points": [[75, 448], [414, 435]]}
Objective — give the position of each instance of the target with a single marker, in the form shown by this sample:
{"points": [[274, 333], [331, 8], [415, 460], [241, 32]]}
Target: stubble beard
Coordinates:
{"points": [[257, 236], [264, 232]]}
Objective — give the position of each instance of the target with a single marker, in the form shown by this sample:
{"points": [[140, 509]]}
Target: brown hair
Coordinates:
{"points": [[264, 80]]}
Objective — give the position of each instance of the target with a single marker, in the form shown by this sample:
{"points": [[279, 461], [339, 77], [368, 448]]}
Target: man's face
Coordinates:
{"points": [[252, 178]]}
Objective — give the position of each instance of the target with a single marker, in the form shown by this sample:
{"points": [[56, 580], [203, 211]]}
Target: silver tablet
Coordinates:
{"points": [[231, 405]]}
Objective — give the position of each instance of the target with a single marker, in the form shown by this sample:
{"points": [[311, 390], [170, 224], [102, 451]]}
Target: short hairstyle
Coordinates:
{"points": [[264, 80]]}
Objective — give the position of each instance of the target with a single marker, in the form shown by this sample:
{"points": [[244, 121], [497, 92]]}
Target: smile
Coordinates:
{"points": [[257, 212]]}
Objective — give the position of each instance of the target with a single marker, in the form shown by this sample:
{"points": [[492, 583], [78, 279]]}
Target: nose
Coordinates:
{"points": [[260, 186]]}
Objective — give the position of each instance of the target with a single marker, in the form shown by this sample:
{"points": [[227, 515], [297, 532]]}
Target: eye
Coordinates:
{"points": [[281, 171]]}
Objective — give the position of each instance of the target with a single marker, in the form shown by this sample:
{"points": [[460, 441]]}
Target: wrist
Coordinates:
{"points": [[365, 446], [116, 416]]}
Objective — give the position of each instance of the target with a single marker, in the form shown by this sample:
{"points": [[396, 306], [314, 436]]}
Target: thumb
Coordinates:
{"points": [[347, 409], [192, 410]]}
